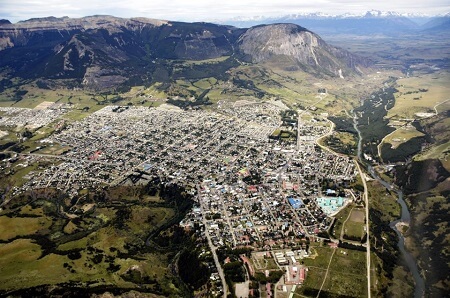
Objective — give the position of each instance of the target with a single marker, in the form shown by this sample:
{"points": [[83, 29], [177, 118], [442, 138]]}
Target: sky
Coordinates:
{"points": [[206, 10]]}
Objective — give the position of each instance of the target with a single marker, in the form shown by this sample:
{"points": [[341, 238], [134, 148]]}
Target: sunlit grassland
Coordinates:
{"points": [[36, 95], [354, 229], [198, 85], [82, 103], [53, 149], [9, 137], [441, 151], [314, 279], [320, 256], [380, 199], [21, 170], [153, 91], [21, 226], [216, 95], [393, 51], [148, 217], [340, 218], [412, 98], [401, 135], [205, 83], [77, 115], [98, 243], [339, 141], [346, 275], [21, 266], [342, 94], [42, 132], [100, 239], [185, 84], [346, 138], [206, 61]]}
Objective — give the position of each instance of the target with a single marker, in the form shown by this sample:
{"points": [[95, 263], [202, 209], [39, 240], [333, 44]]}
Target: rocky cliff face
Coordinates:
{"points": [[51, 29], [263, 43], [160, 38], [105, 51]]}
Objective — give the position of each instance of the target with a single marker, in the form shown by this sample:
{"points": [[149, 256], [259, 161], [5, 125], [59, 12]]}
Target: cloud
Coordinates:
{"points": [[205, 9]]}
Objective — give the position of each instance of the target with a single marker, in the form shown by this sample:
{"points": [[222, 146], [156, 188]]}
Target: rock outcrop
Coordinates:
{"points": [[263, 43], [101, 52]]}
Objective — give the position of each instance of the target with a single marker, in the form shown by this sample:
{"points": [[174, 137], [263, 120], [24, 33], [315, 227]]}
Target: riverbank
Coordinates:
{"points": [[382, 219]]}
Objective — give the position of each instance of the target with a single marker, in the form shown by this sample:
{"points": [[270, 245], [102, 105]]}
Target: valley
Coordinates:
{"points": [[169, 159]]}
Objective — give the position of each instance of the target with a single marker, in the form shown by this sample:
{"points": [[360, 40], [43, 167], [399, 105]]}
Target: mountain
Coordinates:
{"points": [[438, 24], [371, 23], [101, 52], [105, 51], [263, 43]]}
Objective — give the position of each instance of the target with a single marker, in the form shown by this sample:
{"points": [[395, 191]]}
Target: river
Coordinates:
{"points": [[411, 263]]}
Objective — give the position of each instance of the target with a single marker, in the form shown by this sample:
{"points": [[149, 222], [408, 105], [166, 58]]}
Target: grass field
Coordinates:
{"points": [[340, 219], [354, 230], [441, 149], [262, 263], [21, 170], [420, 94], [205, 83], [8, 136], [145, 218], [354, 227], [322, 258], [380, 199], [21, 265], [346, 138], [21, 226], [100, 248], [346, 275], [402, 135], [206, 61], [357, 216], [313, 281], [341, 142], [36, 96], [391, 52]]}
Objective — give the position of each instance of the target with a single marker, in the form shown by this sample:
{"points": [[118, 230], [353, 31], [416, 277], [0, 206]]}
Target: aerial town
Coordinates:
{"points": [[251, 188]]}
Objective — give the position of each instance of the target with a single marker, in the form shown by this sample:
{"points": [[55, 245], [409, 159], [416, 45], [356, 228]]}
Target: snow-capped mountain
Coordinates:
{"points": [[373, 22]]}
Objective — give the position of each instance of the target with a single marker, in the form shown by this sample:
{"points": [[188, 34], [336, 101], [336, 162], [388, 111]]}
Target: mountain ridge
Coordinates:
{"points": [[291, 40], [367, 14], [106, 51], [372, 22]]}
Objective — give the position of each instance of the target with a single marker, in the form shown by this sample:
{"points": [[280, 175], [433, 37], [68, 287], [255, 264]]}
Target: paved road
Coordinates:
{"points": [[438, 104], [211, 246], [366, 200]]}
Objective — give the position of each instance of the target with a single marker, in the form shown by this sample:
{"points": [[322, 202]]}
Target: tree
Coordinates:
{"points": [[27, 134]]}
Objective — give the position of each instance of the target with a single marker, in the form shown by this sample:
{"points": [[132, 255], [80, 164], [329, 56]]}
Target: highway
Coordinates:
{"points": [[366, 202]]}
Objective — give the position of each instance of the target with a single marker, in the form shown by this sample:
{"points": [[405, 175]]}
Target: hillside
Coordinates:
{"points": [[306, 49], [104, 52], [81, 65]]}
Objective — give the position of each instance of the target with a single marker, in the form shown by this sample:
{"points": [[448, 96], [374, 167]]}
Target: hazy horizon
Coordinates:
{"points": [[203, 10]]}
